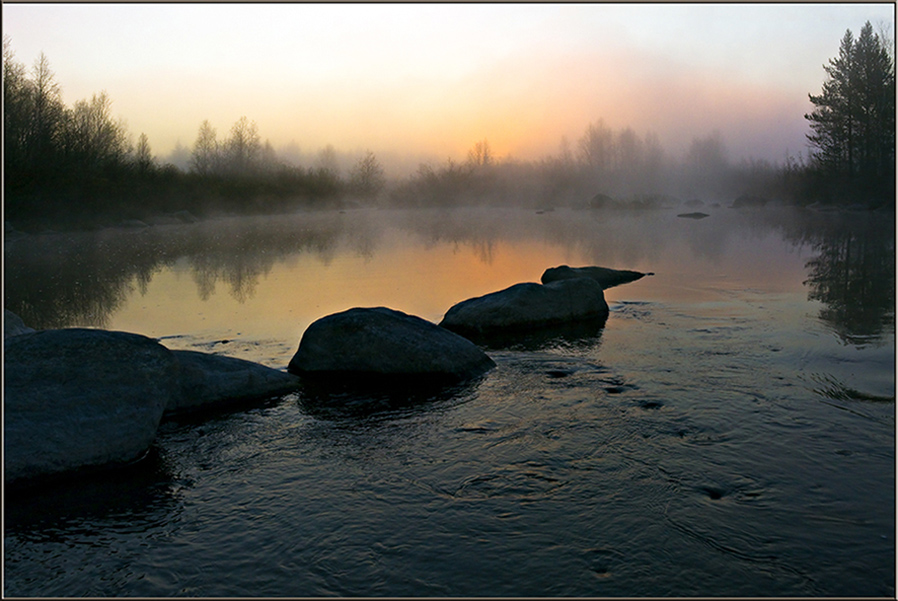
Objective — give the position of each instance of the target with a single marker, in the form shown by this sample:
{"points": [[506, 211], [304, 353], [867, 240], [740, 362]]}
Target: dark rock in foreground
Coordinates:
{"points": [[379, 342], [82, 398], [606, 277], [13, 325], [211, 381], [528, 305]]}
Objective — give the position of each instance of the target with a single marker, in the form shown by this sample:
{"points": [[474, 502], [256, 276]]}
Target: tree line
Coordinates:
{"points": [[79, 161], [76, 163]]}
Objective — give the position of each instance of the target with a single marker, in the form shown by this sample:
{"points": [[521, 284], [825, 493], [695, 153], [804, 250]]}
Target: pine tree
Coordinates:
{"points": [[853, 121]]}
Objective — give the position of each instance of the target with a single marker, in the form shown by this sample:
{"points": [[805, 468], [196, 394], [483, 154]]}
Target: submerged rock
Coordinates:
{"points": [[211, 381], [528, 305], [13, 325], [82, 398], [378, 342], [606, 277], [133, 224]]}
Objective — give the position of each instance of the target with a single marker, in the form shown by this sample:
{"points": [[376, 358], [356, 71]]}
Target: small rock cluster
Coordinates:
{"points": [[80, 399], [85, 398]]}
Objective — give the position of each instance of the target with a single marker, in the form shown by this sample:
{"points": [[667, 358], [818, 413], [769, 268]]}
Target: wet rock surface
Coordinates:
{"points": [[605, 276], [13, 325], [81, 398], [211, 381], [528, 305], [381, 342]]}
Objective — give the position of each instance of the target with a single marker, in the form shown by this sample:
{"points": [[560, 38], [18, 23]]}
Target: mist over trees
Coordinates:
{"points": [[79, 162]]}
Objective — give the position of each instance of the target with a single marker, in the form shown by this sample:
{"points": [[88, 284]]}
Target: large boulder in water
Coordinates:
{"points": [[372, 343], [528, 305], [82, 398], [212, 381], [606, 277]]}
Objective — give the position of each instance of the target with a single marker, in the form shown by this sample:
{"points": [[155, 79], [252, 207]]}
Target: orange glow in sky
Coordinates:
{"points": [[433, 79]]}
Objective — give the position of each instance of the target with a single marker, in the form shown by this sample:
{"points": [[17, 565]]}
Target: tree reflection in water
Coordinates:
{"points": [[854, 276], [853, 272], [81, 279]]}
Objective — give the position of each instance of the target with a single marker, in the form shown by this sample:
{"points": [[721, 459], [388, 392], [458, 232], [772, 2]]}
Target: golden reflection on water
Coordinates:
{"points": [[420, 280], [268, 278], [294, 293]]}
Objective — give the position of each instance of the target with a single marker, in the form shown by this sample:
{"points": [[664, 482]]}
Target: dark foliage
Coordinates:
{"points": [[853, 123]]}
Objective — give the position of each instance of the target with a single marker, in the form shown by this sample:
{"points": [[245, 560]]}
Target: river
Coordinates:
{"points": [[730, 431]]}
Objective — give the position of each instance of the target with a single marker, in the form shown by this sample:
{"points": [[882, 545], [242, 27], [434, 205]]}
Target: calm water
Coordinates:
{"points": [[730, 431]]}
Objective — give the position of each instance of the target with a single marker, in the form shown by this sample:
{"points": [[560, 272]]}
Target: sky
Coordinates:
{"points": [[431, 80]]}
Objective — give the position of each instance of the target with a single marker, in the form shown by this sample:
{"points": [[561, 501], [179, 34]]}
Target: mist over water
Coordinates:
{"points": [[729, 431]]}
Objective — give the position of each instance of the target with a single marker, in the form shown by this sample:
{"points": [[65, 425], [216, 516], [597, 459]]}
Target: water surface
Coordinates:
{"points": [[730, 431]]}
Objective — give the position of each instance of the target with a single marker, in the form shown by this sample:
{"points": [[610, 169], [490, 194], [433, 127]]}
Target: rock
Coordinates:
{"points": [[210, 381], [528, 305], [82, 398], [378, 342], [185, 216], [695, 215], [133, 223], [607, 278], [13, 325]]}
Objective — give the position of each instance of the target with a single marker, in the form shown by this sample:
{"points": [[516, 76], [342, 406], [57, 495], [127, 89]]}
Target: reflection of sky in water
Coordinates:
{"points": [[270, 277], [400, 271]]}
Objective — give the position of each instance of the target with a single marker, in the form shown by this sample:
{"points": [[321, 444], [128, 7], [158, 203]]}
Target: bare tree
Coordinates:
{"points": [[47, 112], [707, 164], [143, 157], [243, 148], [204, 159], [93, 138], [480, 155], [367, 177], [628, 151], [596, 146], [16, 108], [327, 161]]}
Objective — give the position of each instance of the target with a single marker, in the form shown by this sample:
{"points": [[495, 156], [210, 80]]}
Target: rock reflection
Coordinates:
{"points": [[362, 400], [132, 494], [581, 334]]}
